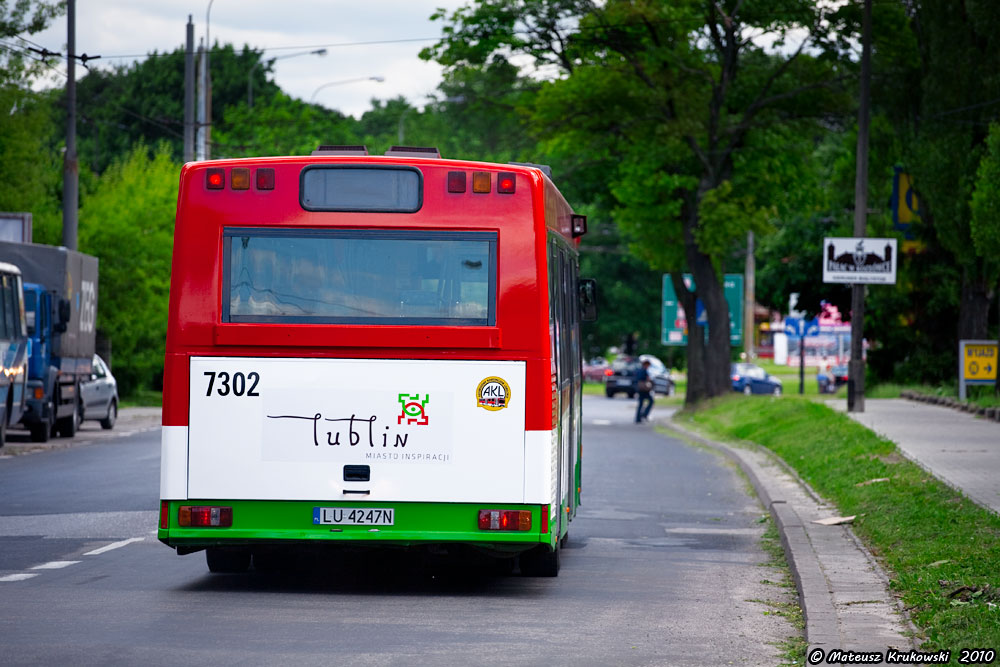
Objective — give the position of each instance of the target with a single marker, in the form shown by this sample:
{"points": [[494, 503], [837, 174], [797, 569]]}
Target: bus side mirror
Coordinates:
{"points": [[578, 224], [588, 299]]}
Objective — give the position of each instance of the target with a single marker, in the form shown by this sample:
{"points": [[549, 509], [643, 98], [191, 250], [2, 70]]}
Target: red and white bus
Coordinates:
{"points": [[372, 350]]}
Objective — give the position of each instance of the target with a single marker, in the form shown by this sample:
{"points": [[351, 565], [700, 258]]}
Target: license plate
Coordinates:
{"points": [[353, 516], [623, 382]]}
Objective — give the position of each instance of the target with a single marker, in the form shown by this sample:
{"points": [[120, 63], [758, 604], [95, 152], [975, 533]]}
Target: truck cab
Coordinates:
{"points": [[13, 349], [46, 407]]}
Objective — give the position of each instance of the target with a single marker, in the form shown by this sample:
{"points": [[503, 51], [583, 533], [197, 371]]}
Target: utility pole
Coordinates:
{"points": [[71, 167], [749, 299], [207, 83], [189, 93], [856, 370], [201, 143]]}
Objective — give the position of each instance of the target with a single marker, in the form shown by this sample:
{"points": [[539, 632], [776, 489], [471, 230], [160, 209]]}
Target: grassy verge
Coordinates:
{"points": [[941, 550], [983, 396], [142, 399]]}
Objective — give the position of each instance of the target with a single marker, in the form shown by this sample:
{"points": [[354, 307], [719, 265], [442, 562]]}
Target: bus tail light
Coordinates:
{"points": [[456, 181], [480, 181], [506, 181], [265, 178], [199, 516], [240, 178], [505, 520], [39, 393], [215, 178], [164, 514]]}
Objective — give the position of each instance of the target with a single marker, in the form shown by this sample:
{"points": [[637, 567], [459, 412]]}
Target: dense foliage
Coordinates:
{"points": [[676, 127]]}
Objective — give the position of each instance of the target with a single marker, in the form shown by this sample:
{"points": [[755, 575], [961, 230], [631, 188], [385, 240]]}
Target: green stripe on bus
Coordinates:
{"points": [[414, 523]]}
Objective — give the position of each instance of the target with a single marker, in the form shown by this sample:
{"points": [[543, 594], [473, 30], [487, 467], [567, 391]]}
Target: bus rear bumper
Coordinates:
{"points": [[296, 523]]}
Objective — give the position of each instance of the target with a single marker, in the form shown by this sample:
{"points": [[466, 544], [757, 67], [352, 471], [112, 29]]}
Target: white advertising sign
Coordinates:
{"points": [[269, 429], [859, 260]]}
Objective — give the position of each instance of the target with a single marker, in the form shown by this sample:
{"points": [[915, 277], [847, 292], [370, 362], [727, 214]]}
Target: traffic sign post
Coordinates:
{"points": [[977, 364], [798, 327]]}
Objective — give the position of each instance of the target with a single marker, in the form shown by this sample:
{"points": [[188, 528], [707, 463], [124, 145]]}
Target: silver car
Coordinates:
{"points": [[100, 395]]}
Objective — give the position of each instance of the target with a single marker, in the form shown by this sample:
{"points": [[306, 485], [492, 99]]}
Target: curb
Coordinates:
{"points": [[815, 598], [130, 421], [992, 414]]}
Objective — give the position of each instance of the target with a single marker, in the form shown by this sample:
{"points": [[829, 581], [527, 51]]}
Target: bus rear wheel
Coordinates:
{"points": [[540, 562], [227, 561]]}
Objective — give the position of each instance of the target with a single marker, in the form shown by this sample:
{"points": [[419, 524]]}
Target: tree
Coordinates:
{"points": [[280, 125], [29, 169], [985, 223], [23, 17], [957, 85], [128, 223], [680, 98], [143, 102]]}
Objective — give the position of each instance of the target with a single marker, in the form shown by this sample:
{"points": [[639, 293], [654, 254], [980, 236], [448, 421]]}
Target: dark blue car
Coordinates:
{"points": [[752, 379]]}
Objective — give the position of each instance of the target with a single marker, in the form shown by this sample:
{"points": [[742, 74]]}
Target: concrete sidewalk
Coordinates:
{"points": [[958, 448]]}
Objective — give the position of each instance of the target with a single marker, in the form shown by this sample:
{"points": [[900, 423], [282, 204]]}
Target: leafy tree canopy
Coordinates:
{"points": [[677, 96], [133, 209]]}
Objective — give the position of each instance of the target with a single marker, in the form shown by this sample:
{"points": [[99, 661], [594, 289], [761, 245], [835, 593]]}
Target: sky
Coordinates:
{"points": [[122, 31]]}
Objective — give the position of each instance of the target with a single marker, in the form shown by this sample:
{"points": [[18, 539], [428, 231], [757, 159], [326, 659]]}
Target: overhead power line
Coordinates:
{"points": [[285, 48]]}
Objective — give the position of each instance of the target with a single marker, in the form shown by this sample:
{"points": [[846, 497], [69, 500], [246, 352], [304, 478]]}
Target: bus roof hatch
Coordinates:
{"points": [[414, 151], [340, 150]]}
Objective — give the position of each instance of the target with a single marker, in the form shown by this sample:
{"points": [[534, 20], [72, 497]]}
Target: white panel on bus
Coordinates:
{"points": [[284, 429], [539, 480], [173, 462]]}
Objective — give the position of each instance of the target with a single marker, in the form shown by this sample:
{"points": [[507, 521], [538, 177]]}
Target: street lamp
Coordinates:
{"points": [[378, 79], [317, 52]]}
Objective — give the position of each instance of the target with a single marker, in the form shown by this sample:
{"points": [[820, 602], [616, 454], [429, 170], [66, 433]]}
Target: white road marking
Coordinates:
{"points": [[55, 565], [602, 422], [114, 545], [18, 577]]}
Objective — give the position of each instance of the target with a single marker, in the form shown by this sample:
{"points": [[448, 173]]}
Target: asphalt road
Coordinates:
{"points": [[663, 567]]}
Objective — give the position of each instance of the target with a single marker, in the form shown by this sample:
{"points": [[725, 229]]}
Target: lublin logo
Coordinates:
{"points": [[414, 409], [493, 394]]}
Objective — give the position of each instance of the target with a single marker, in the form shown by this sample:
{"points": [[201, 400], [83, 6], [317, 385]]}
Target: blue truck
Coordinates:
{"points": [[60, 313]]}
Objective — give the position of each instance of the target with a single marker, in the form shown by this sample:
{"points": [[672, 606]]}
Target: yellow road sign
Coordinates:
{"points": [[979, 361]]}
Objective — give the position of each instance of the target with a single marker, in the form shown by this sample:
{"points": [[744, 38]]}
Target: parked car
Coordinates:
{"points": [[100, 395], [752, 379], [593, 370], [830, 382], [621, 376]]}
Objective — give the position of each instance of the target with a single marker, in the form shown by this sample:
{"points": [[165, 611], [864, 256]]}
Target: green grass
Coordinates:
{"points": [[941, 550], [789, 377], [143, 398]]}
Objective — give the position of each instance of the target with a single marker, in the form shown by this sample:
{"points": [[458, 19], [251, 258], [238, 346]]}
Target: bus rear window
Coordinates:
{"points": [[371, 189], [360, 277]]}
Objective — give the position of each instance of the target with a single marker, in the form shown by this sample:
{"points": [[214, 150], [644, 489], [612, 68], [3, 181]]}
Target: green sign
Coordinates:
{"points": [[674, 325]]}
